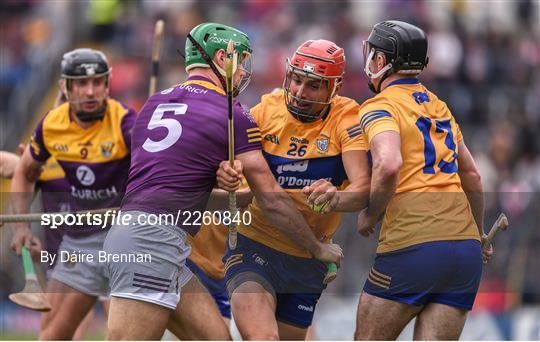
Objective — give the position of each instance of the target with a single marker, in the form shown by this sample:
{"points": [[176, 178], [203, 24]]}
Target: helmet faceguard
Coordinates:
{"points": [[85, 64], [403, 45], [206, 39], [321, 64]]}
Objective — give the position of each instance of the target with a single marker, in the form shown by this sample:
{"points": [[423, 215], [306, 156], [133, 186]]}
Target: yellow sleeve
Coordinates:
{"points": [[256, 112], [350, 134], [376, 118]]}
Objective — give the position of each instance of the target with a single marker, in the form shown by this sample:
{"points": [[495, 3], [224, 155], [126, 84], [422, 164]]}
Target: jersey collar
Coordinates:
{"points": [[411, 80], [200, 78]]}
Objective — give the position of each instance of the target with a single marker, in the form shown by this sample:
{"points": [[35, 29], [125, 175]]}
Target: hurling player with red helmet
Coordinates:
{"points": [[311, 139]]}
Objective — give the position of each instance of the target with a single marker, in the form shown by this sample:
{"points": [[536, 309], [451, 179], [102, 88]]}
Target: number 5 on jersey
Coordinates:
{"points": [[174, 128]]}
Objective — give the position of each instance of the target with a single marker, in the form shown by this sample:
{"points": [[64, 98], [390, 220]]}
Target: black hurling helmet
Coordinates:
{"points": [[404, 46], [85, 63]]}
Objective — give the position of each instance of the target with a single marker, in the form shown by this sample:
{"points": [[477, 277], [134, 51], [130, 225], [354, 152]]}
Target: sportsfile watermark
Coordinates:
{"points": [[114, 217]]}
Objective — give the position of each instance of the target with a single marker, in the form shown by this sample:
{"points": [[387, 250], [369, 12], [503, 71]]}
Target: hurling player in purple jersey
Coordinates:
{"points": [[179, 140], [89, 137]]}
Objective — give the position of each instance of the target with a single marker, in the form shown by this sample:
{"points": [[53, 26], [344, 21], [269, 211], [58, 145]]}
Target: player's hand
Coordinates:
{"points": [[22, 236], [322, 191], [21, 149], [366, 224], [328, 252], [229, 179], [487, 249]]}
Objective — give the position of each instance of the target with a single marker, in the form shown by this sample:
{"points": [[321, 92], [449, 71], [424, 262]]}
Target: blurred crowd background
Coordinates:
{"points": [[484, 62]]}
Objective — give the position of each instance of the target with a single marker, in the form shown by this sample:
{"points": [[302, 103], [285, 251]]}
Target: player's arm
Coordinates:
{"points": [[23, 183], [281, 210], [472, 184], [354, 197], [8, 162], [387, 160]]}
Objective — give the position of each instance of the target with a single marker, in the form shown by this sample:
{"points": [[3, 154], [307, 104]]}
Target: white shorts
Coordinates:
{"points": [[74, 269], [160, 271]]}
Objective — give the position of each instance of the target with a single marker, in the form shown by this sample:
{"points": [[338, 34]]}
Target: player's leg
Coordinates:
{"points": [[300, 290], [82, 329], [69, 307], [251, 284], [144, 294], [74, 286], [290, 332], [197, 316], [382, 319], [253, 309], [131, 319], [446, 311], [310, 334], [398, 286], [439, 322], [217, 289]]}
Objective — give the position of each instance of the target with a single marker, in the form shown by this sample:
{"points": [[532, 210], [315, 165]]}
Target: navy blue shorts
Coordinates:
{"points": [[444, 272], [296, 283], [216, 287]]}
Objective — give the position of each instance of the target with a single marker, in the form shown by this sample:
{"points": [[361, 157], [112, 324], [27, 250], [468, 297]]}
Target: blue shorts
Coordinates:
{"points": [[216, 287], [296, 283], [444, 272]]}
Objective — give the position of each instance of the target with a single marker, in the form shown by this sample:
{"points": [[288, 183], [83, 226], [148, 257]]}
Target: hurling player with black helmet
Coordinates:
{"points": [[426, 185], [313, 145], [89, 137]]}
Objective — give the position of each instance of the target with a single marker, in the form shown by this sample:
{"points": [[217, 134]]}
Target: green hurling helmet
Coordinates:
{"points": [[211, 37]]}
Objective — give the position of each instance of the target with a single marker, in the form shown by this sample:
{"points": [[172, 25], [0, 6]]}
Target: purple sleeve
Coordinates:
{"points": [[37, 144], [127, 125], [247, 135]]}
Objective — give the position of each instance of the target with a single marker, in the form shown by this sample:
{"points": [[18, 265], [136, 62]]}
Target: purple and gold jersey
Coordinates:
{"points": [[95, 160], [179, 139], [55, 197], [299, 154]]}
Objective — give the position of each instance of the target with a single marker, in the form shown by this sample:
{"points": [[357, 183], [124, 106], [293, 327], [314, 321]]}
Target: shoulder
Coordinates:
{"points": [[119, 110], [381, 103], [277, 97], [57, 117], [272, 107], [344, 106]]}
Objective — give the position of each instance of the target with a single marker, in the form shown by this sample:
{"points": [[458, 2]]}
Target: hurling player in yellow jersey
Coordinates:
{"points": [[425, 182], [310, 135]]}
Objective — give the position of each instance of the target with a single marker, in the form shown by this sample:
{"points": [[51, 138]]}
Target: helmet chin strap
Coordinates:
{"points": [[371, 75]]}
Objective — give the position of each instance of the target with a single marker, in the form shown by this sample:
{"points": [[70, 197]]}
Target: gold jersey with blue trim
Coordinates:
{"points": [[429, 204], [299, 154]]}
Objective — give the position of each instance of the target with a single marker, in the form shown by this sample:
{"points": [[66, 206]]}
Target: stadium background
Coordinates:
{"points": [[484, 62]]}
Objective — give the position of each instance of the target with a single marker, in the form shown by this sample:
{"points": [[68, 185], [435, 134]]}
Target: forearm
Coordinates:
{"points": [[22, 192], [475, 195], [283, 214], [383, 188], [353, 198]]}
